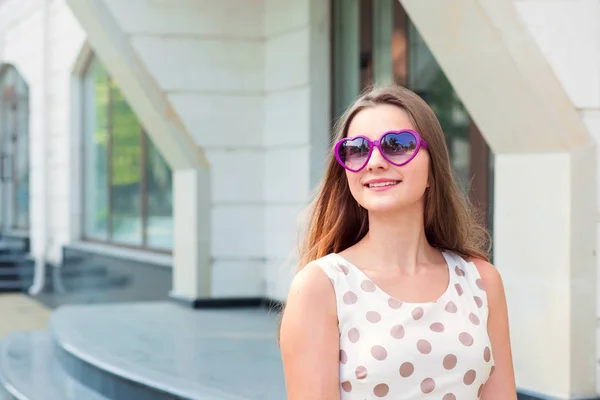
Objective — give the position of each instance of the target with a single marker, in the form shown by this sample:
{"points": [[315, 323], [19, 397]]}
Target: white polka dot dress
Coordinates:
{"points": [[391, 349]]}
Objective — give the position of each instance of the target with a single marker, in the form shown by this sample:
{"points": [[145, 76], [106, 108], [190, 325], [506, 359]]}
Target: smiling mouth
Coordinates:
{"points": [[382, 184]]}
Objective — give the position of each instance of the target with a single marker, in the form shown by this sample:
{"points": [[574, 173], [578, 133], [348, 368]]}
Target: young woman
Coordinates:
{"points": [[395, 297]]}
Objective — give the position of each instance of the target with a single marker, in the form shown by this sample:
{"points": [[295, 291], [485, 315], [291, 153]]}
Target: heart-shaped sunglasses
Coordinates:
{"points": [[397, 147]]}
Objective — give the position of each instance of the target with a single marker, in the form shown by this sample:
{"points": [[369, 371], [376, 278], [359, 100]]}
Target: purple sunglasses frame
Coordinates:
{"points": [[377, 143]]}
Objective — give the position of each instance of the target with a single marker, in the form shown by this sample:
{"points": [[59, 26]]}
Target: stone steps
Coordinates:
{"points": [[145, 351], [29, 370]]}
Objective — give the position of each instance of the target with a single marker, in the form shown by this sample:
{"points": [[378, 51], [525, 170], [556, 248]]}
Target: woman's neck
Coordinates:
{"points": [[398, 240]]}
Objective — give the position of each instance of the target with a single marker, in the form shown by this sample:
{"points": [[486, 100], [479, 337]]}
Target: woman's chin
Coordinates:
{"points": [[383, 207], [388, 206]]}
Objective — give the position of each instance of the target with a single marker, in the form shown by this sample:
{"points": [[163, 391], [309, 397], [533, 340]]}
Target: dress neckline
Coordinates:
{"points": [[443, 296]]}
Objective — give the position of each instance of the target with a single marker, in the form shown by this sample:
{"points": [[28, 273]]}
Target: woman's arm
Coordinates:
{"points": [[501, 385], [309, 338]]}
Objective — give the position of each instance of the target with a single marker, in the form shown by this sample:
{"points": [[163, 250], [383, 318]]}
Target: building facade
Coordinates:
{"points": [[191, 134]]}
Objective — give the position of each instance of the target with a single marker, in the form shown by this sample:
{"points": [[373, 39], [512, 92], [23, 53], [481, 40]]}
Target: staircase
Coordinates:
{"points": [[144, 351], [79, 271], [16, 267]]}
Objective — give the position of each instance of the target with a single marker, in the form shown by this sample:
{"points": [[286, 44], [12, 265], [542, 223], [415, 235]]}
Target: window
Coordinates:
{"points": [[14, 151], [127, 184], [374, 42]]}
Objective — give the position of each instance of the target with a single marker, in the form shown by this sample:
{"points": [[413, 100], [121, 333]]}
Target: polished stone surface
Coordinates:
{"points": [[28, 370], [122, 281], [193, 354]]}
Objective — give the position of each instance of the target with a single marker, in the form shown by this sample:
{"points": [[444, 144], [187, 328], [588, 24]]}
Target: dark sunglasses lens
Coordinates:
{"points": [[354, 153], [399, 147]]}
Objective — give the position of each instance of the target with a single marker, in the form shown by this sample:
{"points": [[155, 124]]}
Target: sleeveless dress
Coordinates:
{"points": [[391, 349]]}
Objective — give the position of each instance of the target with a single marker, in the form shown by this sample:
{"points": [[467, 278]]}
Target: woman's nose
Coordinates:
{"points": [[377, 161]]}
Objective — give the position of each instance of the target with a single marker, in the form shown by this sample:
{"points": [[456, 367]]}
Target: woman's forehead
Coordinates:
{"points": [[372, 122]]}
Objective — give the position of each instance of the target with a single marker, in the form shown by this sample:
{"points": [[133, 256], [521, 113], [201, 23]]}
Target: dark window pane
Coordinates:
{"points": [[126, 171], [348, 62]]}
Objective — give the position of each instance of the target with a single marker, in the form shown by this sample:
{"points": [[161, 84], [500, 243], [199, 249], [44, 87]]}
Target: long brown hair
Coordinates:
{"points": [[336, 221]]}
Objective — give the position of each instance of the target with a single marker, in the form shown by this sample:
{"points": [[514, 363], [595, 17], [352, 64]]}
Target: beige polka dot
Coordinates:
{"points": [[469, 377], [343, 268], [350, 297], [373, 316], [393, 303], [479, 284], [449, 396], [479, 391], [427, 385], [353, 335], [424, 346], [492, 370], [397, 332], [466, 339], [418, 313], [459, 289], [459, 271], [381, 390], [379, 353], [437, 327], [406, 369], [449, 361], [361, 372], [347, 386], [487, 354], [451, 307], [367, 286], [478, 301], [343, 357], [474, 319]]}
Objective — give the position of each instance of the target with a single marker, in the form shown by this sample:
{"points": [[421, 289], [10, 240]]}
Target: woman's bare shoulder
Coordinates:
{"points": [[310, 286], [492, 281]]}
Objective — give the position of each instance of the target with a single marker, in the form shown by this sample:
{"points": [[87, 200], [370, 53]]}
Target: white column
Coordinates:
{"points": [[191, 227], [545, 254]]}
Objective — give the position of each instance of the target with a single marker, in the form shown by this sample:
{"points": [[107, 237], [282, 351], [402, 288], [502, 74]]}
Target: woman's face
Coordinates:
{"points": [[408, 182]]}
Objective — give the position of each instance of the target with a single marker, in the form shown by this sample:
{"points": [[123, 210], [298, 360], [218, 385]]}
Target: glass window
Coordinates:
{"points": [[95, 103], [426, 78], [14, 151], [128, 185], [159, 185], [126, 168]]}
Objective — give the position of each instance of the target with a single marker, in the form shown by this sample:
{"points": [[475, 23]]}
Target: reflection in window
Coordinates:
{"points": [[159, 200], [95, 102], [126, 168], [426, 78], [128, 185]]}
